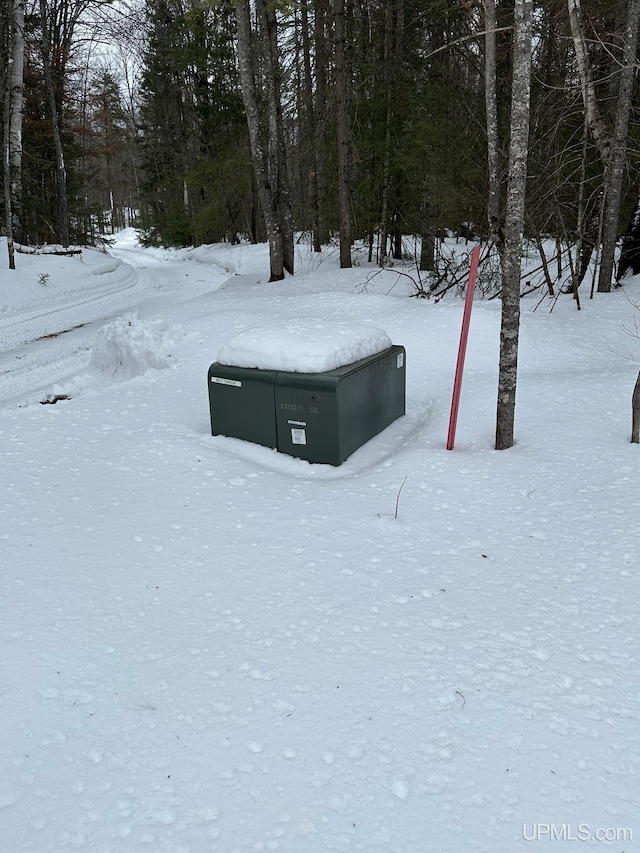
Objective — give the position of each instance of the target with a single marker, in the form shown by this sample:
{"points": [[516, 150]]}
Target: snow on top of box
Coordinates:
{"points": [[303, 346]]}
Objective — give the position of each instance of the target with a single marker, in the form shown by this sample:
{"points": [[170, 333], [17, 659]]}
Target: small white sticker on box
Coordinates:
{"points": [[400, 360], [222, 381], [298, 436]]}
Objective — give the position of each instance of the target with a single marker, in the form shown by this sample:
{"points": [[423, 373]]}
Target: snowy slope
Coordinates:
{"points": [[209, 647]]}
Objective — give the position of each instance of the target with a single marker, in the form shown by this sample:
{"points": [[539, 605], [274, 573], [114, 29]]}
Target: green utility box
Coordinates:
{"points": [[320, 417]]}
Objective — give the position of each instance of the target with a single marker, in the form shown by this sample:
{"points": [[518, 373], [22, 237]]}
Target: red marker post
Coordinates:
{"points": [[462, 349]]}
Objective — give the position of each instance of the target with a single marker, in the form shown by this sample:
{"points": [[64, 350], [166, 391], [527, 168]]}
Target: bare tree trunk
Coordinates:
{"points": [[587, 242], [594, 119], [266, 139], [630, 254], [617, 151], [17, 110], [583, 249], [491, 106], [558, 258], [587, 238], [635, 413], [6, 163], [428, 235], [320, 37], [61, 171], [343, 134], [386, 159], [246, 54], [277, 148], [612, 149], [545, 265], [514, 223], [310, 123]]}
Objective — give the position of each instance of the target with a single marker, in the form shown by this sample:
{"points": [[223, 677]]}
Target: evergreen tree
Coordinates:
{"points": [[108, 165], [196, 183]]}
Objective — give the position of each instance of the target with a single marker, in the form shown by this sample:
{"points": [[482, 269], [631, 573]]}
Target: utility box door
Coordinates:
{"points": [[306, 407], [324, 417], [241, 403]]}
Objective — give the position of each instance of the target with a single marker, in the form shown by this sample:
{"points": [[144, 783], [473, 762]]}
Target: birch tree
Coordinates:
{"points": [[6, 170], [610, 142], [343, 134], [16, 111], [514, 223], [263, 108], [12, 122], [491, 107], [592, 109], [615, 167]]}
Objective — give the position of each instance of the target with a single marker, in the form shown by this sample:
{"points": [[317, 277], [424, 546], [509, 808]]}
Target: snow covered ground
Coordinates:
{"points": [[210, 647]]}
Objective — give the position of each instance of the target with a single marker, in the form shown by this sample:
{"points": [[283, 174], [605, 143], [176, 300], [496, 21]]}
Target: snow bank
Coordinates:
{"points": [[303, 346], [129, 347]]}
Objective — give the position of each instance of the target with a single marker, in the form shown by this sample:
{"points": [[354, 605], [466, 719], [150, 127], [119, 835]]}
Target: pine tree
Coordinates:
{"points": [[195, 161]]}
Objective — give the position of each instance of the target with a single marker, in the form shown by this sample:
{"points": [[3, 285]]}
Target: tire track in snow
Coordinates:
{"points": [[21, 328], [36, 353]]}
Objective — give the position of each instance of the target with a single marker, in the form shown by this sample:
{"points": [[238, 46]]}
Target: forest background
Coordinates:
{"points": [[373, 120], [387, 123]]}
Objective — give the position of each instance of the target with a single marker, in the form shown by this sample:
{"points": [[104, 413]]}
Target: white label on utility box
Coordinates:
{"points": [[298, 436], [221, 381], [400, 360]]}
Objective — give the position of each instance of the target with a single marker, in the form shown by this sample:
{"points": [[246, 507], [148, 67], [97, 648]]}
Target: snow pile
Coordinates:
{"points": [[303, 346], [129, 347]]}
